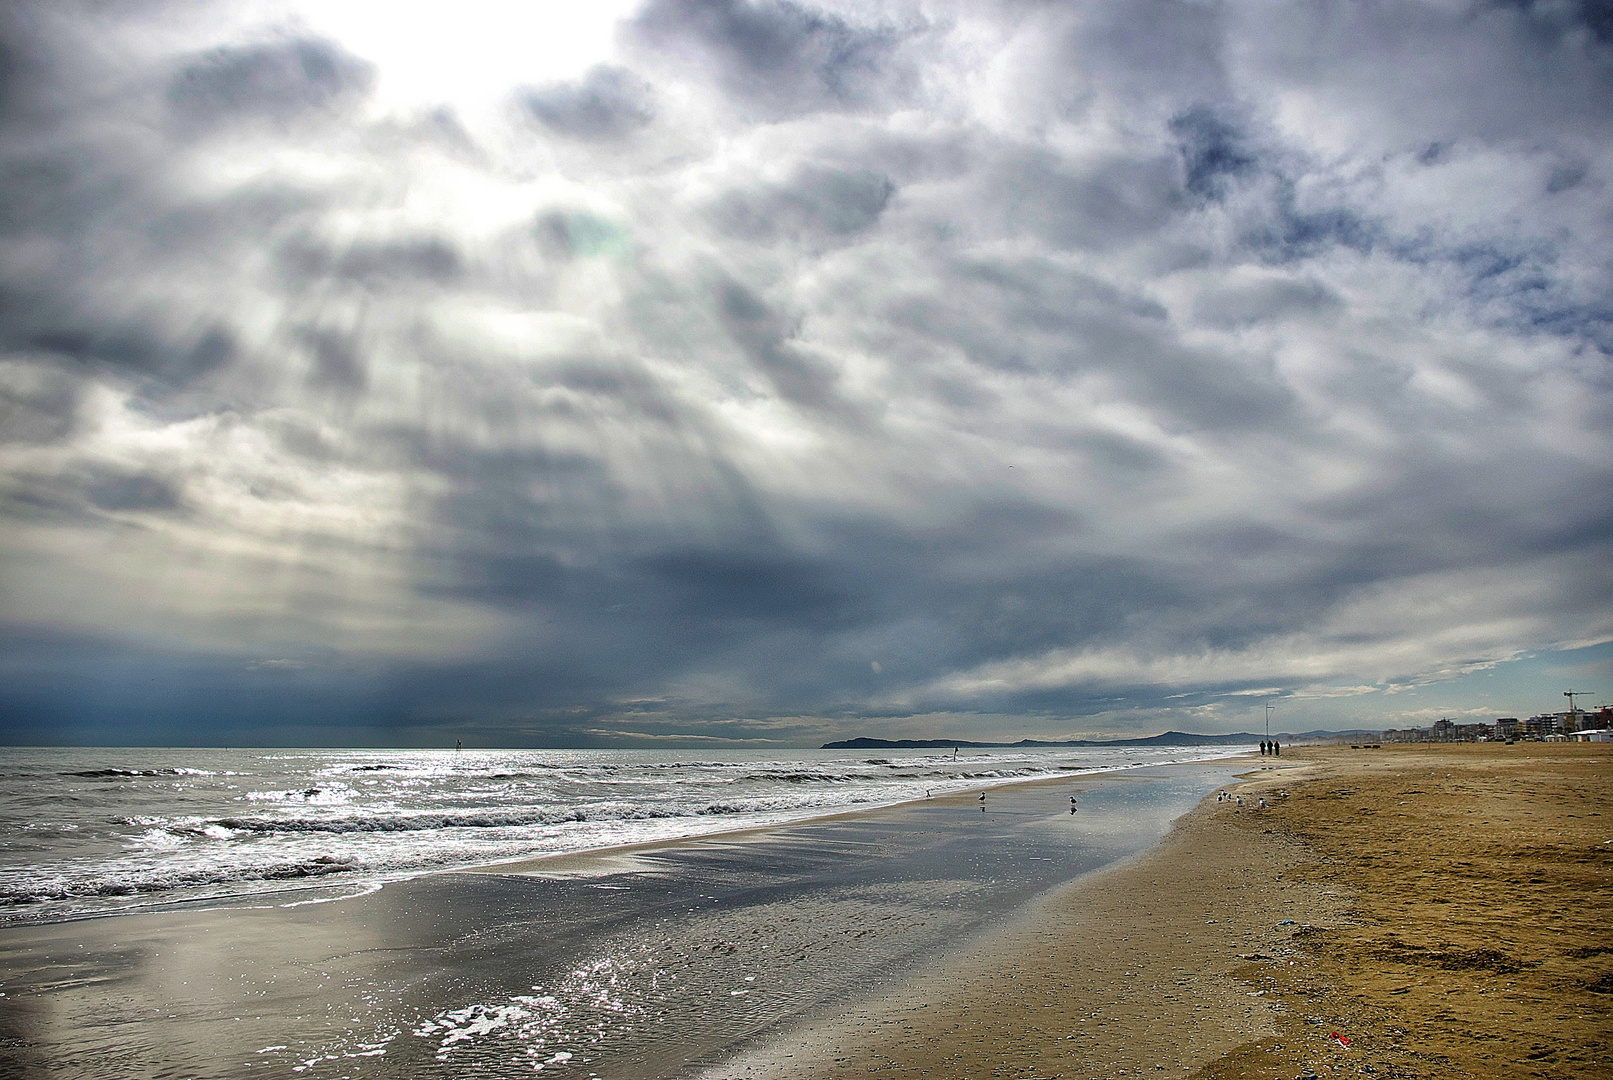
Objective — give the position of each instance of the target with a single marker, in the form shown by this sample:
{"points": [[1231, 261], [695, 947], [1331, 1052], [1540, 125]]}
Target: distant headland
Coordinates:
{"points": [[1169, 738]]}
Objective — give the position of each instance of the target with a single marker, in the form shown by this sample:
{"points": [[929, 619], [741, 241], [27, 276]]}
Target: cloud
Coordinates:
{"points": [[776, 57], [1214, 151], [814, 202], [607, 103], [802, 368], [376, 263], [276, 81], [1264, 299]]}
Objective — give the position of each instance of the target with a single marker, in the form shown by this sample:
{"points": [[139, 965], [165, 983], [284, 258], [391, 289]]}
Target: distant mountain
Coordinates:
{"points": [[1169, 738], [1352, 733]]}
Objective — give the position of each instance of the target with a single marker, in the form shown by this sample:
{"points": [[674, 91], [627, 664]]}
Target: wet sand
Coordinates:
{"points": [[1443, 910]]}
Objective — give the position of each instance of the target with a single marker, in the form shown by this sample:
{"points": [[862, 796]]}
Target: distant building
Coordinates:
{"points": [[1585, 720], [1546, 725], [1441, 731]]}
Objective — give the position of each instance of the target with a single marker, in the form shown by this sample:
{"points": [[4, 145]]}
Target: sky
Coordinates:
{"points": [[763, 372]]}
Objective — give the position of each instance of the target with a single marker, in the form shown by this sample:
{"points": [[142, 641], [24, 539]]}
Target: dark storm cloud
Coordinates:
{"points": [[777, 57], [768, 340], [275, 81], [37, 404], [1156, 51], [1214, 151], [608, 102], [239, 218], [132, 491], [815, 202], [1567, 177], [1266, 300], [375, 263], [1020, 363], [1035, 318], [1286, 234], [1095, 207], [9, 78], [86, 494], [135, 352], [337, 363]]}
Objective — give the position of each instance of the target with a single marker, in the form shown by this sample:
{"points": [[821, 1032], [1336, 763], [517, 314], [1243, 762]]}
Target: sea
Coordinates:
{"points": [[88, 832]]}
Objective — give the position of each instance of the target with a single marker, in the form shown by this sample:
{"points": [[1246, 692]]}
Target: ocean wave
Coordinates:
{"points": [[87, 833], [802, 777], [488, 819], [464, 819], [102, 774], [137, 884]]}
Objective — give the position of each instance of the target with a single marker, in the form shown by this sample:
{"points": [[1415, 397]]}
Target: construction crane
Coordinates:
{"points": [[1571, 695]]}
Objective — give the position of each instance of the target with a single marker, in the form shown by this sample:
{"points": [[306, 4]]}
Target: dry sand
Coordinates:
{"points": [[1450, 918]]}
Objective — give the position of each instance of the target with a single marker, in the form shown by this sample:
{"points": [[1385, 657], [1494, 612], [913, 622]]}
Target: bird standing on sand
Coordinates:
{"points": [[982, 802]]}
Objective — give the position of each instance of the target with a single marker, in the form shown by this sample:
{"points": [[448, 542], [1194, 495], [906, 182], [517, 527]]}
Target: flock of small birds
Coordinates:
{"points": [[1260, 804]]}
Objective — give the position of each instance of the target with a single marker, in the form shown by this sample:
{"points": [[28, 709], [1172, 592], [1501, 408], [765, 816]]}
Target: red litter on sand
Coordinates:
{"points": [[1342, 1040]]}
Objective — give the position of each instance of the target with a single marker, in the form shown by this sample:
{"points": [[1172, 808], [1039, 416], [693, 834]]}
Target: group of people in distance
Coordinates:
{"points": [[1271, 748]]}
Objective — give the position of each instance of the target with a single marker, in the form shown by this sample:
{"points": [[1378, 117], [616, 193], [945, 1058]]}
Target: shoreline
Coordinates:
{"points": [[621, 854], [1096, 979], [1181, 961], [332, 889], [652, 970]]}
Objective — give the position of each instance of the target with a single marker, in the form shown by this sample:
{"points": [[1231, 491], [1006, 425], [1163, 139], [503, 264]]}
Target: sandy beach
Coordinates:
{"points": [[1408, 911]]}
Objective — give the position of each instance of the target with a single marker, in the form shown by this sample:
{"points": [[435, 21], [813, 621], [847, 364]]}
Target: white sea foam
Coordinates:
{"points": [[109, 829]]}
